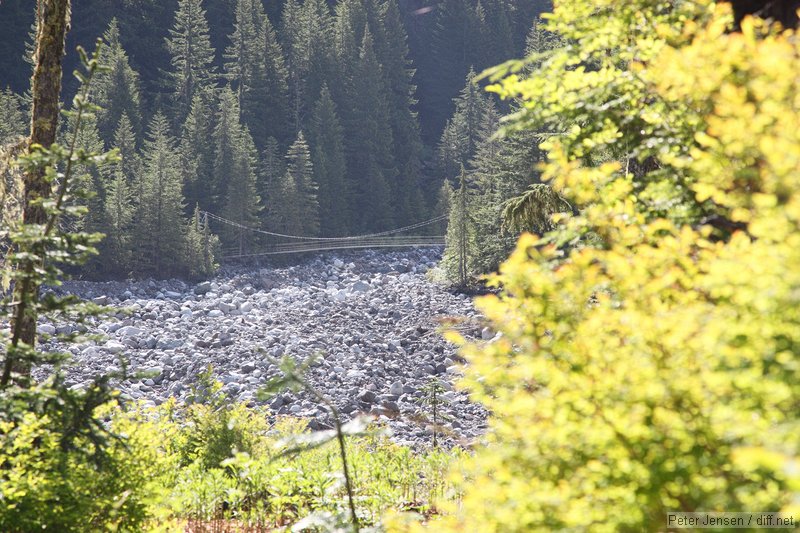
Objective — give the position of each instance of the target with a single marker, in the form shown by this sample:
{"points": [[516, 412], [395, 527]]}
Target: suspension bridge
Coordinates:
{"points": [[283, 244]]}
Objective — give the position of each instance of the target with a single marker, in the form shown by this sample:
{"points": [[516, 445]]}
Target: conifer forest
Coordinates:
{"points": [[399, 265]]}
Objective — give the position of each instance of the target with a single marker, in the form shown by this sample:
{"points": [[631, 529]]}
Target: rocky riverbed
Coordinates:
{"points": [[373, 316]]}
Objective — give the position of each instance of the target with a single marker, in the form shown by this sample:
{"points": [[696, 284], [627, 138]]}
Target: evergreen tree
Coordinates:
{"points": [[465, 129], [272, 167], [456, 48], [192, 56], [115, 250], [460, 250], [300, 180], [159, 230], [398, 76], [200, 247], [235, 164], [308, 34], [371, 158], [91, 179], [245, 67], [125, 142], [442, 208], [277, 122], [116, 92], [13, 122], [197, 151], [330, 171]]}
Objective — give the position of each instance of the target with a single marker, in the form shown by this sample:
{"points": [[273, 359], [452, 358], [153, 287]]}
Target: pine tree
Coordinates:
{"points": [[272, 167], [465, 130], [276, 103], [124, 141], [398, 75], [115, 250], [13, 122], [308, 34], [245, 67], [192, 56], [197, 151], [92, 180], [116, 92], [300, 176], [201, 246], [460, 251], [159, 230], [371, 158], [235, 164], [456, 48], [330, 171], [443, 200]]}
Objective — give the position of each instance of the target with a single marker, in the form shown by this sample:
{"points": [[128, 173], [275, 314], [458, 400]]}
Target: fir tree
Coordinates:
{"points": [[300, 177], [192, 56], [197, 151], [460, 250], [465, 129], [125, 142], [398, 75], [271, 169], [116, 92], [235, 165], [159, 229], [13, 122], [456, 48], [372, 162], [330, 171], [308, 34], [200, 247], [115, 250], [277, 122], [443, 200], [245, 67]]}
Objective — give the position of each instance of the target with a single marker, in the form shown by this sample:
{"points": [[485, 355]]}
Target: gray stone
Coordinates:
{"points": [[47, 329], [367, 396], [487, 334], [130, 331], [202, 288], [361, 286], [114, 347], [396, 389]]}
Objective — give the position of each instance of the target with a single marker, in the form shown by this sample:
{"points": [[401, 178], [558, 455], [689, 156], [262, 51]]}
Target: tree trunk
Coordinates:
{"points": [[52, 17]]}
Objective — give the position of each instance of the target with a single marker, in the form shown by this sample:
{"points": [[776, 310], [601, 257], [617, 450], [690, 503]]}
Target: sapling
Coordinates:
{"points": [[294, 378], [432, 398]]}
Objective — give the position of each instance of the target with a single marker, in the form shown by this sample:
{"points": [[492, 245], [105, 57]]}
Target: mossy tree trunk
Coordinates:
{"points": [[52, 18]]}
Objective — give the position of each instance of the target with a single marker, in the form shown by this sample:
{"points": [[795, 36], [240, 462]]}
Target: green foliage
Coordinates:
{"points": [[116, 92], [235, 166], [214, 429], [12, 117], [159, 231], [292, 205], [245, 66], [61, 467], [653, 368], [433, 400], [192, 55], [330, 171], [460, 249]]}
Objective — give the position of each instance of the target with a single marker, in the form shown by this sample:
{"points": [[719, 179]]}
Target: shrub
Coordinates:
{"points": [[656, 370]]}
